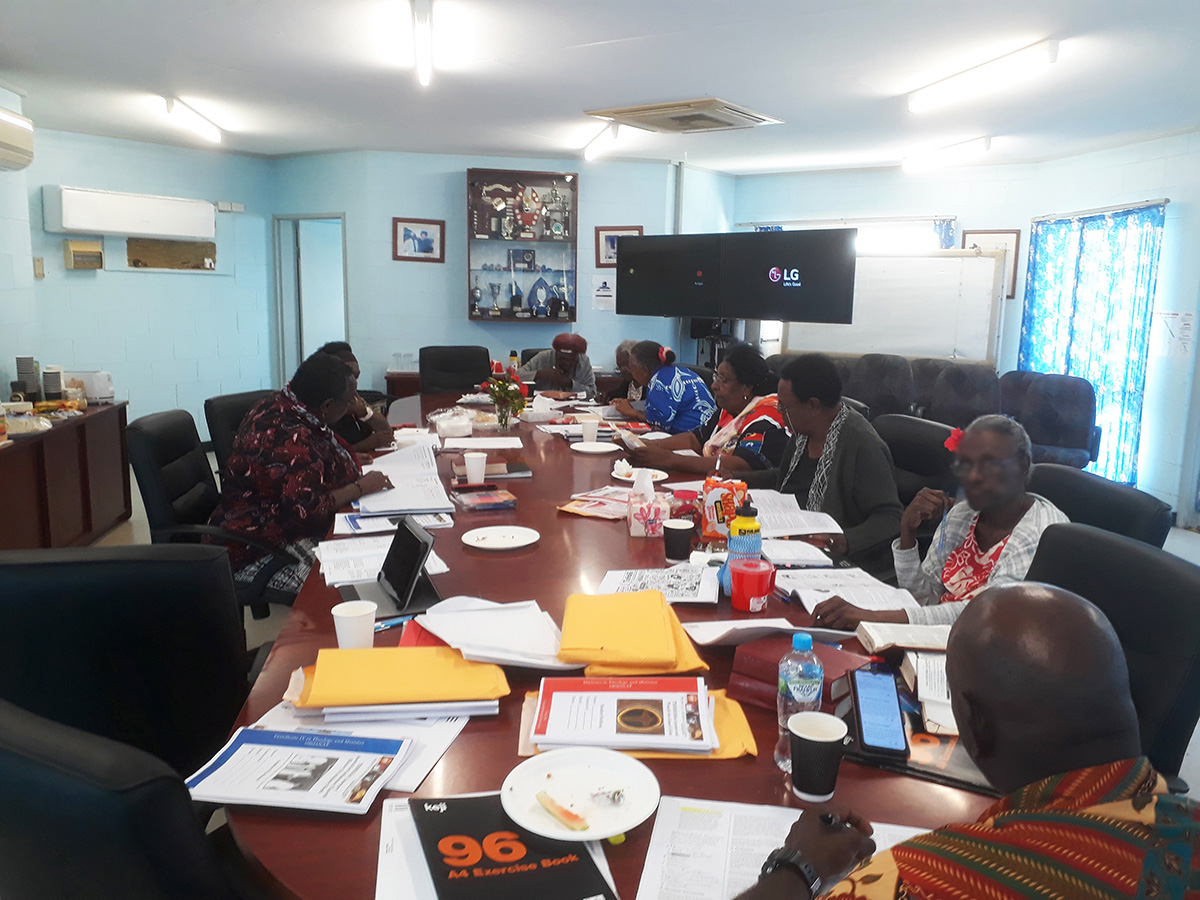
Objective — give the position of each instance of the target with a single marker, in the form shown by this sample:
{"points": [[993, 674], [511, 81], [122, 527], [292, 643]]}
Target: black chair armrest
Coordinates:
{"points": [[1094, 443], [227, 537], [1175, 784]]}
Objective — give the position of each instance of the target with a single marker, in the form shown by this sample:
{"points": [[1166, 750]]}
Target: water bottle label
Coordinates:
{"points": [[802, 690]]}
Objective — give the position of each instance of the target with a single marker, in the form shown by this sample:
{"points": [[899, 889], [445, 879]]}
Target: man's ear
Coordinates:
{"points": [[978, 731]]}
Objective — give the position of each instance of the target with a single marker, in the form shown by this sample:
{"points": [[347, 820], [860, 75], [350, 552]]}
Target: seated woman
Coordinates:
{"points": [[677, 399], [362, 428], [748, 434], [628, 389], [835, 463], [289, 473], [985, 540]]}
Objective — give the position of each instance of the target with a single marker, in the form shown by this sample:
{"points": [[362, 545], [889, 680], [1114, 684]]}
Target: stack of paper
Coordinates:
{"points": [[682, 583], [925, 673], [507, 634], [625, 714], [626, 634], [779, 515], [854, 586], [794, 554], [356, 523], [416, 487], [358, 560], [731, 632], [396, 683], [609, 502]]}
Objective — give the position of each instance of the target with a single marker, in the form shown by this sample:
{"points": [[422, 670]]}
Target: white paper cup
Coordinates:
{"points": [[476, 462], [354, 622], [590, 430]]}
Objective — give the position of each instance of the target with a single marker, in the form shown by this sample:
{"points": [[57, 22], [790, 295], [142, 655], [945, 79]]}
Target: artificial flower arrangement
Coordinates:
{"points": [[508, 395]]}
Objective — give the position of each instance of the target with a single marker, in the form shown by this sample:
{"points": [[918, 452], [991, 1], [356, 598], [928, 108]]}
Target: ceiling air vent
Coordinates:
{"points": [[686, 116]]}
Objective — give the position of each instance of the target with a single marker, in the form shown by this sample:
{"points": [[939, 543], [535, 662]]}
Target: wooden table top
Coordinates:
{"points": [[317, 856]]}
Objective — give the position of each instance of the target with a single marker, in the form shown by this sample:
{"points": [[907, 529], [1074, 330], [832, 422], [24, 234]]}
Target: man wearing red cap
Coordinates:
{"points": [[563, 369]]}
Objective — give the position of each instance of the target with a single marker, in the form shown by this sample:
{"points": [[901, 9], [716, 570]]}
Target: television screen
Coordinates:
{"points": [[792, 276], [669, 275]]}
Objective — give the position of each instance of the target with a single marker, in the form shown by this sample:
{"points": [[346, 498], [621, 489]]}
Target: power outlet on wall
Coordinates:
{"points": [[39, 267]]}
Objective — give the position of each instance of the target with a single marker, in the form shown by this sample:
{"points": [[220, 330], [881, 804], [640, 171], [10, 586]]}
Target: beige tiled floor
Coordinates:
{"points": [[1185, 544]]}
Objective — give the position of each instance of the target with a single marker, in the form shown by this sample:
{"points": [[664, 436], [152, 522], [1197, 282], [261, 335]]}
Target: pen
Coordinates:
{"points": [[834, 821], [942, 533], [385, 624]]}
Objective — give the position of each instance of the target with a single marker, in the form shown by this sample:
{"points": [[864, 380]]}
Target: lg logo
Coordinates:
{"points": [[789, 277]]}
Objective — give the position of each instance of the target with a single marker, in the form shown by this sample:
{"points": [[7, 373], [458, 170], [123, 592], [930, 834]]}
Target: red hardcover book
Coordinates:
{"points": [[759, 659], [746, 690]]}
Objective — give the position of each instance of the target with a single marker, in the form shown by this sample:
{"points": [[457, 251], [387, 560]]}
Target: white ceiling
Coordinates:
{"points": [[512, 77]]}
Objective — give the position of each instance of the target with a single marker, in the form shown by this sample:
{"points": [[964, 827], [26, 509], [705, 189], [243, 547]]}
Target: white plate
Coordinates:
{"points": [[574, 774], [500, 537], [656, 475], [475, 400], [595, 447]]}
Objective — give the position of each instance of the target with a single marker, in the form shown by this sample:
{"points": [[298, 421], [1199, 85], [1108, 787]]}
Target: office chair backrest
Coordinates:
{"points": [[883, 382], [1152, 599], [962, 393], [925, 373], [1059, 411], [530, 352], [141, 644], [705, 373], [87, 818], [919, 453], [453, 369], [1088, 499], [172, 470], [1013, 386], [224, 415]]}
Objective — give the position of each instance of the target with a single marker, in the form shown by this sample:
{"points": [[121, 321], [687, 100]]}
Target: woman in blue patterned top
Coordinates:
{"points": [[677, 399]]}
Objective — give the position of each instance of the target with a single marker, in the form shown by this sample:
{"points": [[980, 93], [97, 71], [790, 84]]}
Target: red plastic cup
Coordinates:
{"points": [[753, 580]]}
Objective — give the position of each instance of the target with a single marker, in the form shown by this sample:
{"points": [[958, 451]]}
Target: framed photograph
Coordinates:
{"points": [[606, 243], [1009, 242], [419, 240]]}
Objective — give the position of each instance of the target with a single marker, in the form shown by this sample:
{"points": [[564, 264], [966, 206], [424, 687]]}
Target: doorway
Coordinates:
{"points": [[310, 286]]}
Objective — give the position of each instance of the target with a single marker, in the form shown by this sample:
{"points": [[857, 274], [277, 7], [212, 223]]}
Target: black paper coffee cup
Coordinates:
{"points": [[818, 741]]}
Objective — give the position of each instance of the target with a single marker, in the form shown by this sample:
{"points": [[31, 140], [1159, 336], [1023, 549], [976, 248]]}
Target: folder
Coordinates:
{"points": [[631, 629], [733, 731], [686, 658], [381, 675]]}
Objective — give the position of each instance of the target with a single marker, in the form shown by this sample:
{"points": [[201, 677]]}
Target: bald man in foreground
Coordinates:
{"points": [[563, 370], [1041, 696]]}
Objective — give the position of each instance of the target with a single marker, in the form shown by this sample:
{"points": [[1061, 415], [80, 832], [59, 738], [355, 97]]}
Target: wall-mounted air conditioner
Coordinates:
{"points": [[68, 210], [16, 140]]}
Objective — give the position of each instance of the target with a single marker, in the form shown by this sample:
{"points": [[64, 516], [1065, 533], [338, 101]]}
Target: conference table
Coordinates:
{"points": [[315, 856]]}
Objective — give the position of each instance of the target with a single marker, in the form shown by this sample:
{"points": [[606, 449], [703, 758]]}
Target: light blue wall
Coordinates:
{"points": [[708, 201], [1006, 197], [170, 339], [322, 293], [18, 312]]}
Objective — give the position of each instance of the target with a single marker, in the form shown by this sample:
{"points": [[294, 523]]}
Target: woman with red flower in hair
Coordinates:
{"points": [[986, 539]]}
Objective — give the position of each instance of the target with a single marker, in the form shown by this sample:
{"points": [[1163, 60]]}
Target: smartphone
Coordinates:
{"points": [[877, 714]]}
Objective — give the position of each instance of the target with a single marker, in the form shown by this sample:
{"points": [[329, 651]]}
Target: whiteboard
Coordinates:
{"points": [[944, 303]]}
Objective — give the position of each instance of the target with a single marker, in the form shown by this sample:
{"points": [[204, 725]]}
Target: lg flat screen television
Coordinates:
{"points": [[792, 276]]}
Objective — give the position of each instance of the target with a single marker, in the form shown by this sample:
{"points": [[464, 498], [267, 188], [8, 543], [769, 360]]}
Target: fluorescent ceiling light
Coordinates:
{"points": [[954, 155], [602, 142], [423, 40], [184, 116], [986, 78], [7, 115]]}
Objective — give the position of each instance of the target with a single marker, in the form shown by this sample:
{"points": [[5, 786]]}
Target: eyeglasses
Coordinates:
{"points": [[718, 378], [964, 467]]}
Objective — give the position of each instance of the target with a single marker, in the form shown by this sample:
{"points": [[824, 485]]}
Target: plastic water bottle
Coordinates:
{"points": [[745, 542], [800, 678]]}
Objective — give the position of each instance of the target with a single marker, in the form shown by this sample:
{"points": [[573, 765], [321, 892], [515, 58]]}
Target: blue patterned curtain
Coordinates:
{"points": [[944, 229], [1089, 293]]}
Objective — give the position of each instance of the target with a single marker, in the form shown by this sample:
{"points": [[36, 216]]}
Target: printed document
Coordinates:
{"points": [[412, 494], [683, 583], [482, 443], [779, 515], [709, 850]]}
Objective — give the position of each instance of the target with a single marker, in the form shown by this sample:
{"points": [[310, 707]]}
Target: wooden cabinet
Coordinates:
{"points": [[67, 486], [403, 384]]}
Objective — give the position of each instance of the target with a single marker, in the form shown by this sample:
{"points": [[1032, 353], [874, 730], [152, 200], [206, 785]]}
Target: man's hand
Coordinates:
{"points": [[844, 616], [928, 504], [649, 456], [833, 839], [836, 544]]}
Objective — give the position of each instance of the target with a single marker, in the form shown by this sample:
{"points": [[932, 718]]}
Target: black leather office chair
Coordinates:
{"points": [[453, 369], [925, 373], [919, 453], [1088, 499], [703, 371], [179, 494], [530, 352], [1059, 412], [962, 393], [1152, 599], [224, 416], [858, 406], [140, 644], [87, 818], [883, 382]]}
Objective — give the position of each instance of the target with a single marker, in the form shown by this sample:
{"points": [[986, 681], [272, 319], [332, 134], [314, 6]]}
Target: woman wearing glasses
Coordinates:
{"points": [[987, 539]]}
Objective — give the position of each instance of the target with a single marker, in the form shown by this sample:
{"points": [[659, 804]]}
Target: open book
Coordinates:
{"points": [[878, 636]]}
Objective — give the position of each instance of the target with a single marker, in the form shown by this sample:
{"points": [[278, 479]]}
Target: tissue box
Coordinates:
{"points": [[646, 517], [721, 500]]}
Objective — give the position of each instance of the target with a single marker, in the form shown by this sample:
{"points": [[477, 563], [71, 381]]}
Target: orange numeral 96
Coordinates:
{"points": [[500, 846]]}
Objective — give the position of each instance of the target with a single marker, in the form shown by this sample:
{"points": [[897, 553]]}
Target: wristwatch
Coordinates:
{"points": [[793, 859]]}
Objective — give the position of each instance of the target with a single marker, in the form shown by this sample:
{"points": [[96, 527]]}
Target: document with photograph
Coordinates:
{"points": [[299, 770], [683, 583]]}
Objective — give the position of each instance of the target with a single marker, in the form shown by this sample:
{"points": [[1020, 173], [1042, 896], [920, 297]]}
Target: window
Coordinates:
{"points": [[1089, 294]]}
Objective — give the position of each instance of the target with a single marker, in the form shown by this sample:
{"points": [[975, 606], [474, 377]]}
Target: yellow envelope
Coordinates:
{"points": [[733, 731], [618, 629], [381, 675], [686, 657]]}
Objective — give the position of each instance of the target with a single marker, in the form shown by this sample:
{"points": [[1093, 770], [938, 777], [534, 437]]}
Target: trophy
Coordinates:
{"points": [[494, 288], [508, 224], [476, 297]]}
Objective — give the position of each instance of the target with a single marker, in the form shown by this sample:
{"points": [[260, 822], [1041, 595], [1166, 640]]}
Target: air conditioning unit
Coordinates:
{"points": [[686, 116], [68, 210], [16, 140]]}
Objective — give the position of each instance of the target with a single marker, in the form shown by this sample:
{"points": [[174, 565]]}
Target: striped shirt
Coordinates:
{"points": [[1103, 832]]}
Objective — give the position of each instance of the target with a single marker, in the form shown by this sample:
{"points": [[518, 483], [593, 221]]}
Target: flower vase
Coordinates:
{"points": [[503, 416]]}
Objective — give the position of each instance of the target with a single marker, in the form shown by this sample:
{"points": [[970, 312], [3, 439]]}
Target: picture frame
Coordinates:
{"points": [[606, 243], [419, 240], [998, 239]]}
